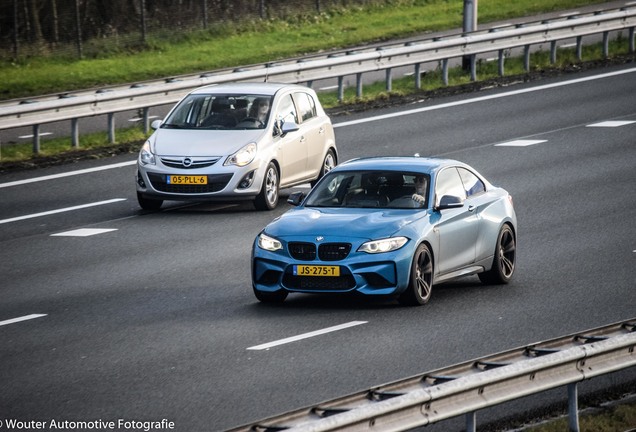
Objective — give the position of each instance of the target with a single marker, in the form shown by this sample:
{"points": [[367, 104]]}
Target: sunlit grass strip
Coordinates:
{"points": [[223, 45]]}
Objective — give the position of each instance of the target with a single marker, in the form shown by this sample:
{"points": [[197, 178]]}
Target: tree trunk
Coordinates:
{"points": [[34, 16]]}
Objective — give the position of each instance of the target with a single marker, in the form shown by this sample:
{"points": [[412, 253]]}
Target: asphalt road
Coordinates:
{"points": [[150, 316]]}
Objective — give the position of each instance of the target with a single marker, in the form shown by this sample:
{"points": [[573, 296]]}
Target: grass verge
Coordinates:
{"points": [[169, 53]]}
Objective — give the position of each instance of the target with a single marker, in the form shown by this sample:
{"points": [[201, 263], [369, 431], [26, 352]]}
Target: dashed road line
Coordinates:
{"points": [[306, 335], [22, 318], [520, 143], [84, 232], [612, 123]]}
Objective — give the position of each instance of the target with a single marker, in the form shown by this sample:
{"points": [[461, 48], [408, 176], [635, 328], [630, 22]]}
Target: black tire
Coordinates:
{"points": [[148, 203], [328, 163], [503, 265], [267, 198], [421, 279], [270, 297]]}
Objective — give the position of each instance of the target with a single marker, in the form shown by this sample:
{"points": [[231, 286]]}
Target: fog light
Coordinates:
{"points": [[246, 181], [140, 180]]}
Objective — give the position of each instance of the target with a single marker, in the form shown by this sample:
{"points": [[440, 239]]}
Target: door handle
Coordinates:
{"points": [[471, 208]]}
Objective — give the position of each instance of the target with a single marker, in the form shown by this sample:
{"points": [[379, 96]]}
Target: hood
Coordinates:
{"points": [[342, 222], [180, 142]]}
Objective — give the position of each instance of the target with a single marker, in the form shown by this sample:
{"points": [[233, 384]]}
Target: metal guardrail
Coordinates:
{"points": [[72, 106], [467, 387]]}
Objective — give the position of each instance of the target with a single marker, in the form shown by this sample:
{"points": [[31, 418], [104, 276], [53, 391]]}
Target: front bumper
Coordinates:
{"points": [[224, 182], [372, 274]]}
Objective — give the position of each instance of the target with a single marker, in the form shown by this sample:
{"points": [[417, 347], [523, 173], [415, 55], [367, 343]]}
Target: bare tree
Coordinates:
{"points": [[56, 22], [34, 18]]}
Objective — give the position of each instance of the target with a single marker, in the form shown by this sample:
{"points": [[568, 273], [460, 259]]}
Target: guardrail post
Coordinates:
{"points": [[418, 78], [75, 133], [573, 408], [445, 71], [111, 128], [359, 85], [146, 120], [389, 79], [471, 422], [501, 62], [526, 58], [473, 67], [553, 52], [605, 44], [631, 40], [579, 48], [340, 88], [36, 139]]}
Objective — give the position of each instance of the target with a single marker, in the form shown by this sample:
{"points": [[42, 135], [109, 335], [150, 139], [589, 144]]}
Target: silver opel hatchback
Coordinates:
{"points": [[236, 141]]}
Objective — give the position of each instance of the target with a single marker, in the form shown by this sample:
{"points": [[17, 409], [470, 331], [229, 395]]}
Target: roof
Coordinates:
{"points": [[398, 163], [264, 88]]}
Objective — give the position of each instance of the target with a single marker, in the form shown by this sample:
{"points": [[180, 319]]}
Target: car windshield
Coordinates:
{"points": [[213, 111], [370, 189]]}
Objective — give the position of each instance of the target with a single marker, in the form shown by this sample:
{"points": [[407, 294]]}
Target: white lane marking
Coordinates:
{"points": [[62, 210], [67, 174], [31, 136], [23, 318], [611, 123], [520, 143], [306, 335], [84, 232], [484, 98], [328, 87]]}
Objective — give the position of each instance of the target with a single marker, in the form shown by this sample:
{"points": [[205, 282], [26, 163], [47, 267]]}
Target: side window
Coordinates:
{"points": [[306, 106], [287, 110], [472, 184], [449, 183]]}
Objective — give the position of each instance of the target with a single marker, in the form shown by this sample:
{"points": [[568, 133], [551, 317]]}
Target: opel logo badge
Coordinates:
{"points": [[319, 238], [187, 162]]}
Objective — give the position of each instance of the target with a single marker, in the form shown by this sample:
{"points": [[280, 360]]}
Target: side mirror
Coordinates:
{"points": [[156, 124], [287, 127], [450, 201], [296, 198]]}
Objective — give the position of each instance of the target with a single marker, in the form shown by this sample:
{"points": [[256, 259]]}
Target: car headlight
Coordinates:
{"points": [[146, 157], [384, 245], [268, 243], [242, 157]]}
